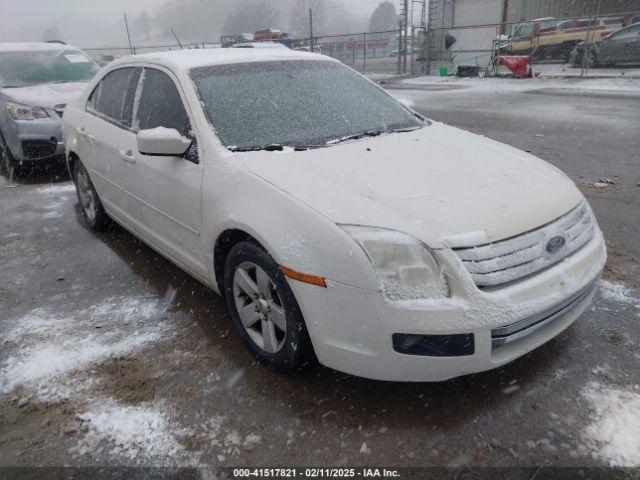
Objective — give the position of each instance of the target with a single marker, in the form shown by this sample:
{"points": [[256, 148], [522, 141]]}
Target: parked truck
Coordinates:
{"points": [[548, 38]]}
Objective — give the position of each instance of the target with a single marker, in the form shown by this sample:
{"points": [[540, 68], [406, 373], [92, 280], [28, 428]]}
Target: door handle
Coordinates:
{"points": [[82, 132], [127, 156]]}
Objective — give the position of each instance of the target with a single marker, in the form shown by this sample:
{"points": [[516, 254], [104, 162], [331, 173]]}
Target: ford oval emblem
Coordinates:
{"points": [[555, 245]]}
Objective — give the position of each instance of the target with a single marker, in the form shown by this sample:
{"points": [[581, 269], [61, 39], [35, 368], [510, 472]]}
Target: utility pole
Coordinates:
{"points": [[400, 46], [311, 27], [406, 35], [126, 25]]}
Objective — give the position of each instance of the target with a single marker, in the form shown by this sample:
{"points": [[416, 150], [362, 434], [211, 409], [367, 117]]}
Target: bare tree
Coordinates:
{"points": [[300, 25], [142, 25], [384, 18], [52, 33], [249, 16], [193, 20]]}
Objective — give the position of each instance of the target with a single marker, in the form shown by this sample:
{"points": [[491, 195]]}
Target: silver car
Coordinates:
{"points": [[36, 82], [621, 47]]}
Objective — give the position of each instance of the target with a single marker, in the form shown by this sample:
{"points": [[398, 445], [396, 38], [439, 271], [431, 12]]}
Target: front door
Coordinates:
{"points": [[165, 192]]}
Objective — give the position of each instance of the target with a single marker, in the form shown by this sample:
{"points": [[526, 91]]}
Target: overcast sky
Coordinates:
{"points": [[90, 23], [84, 20]]}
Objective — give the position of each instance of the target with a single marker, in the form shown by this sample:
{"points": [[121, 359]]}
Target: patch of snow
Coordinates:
{"points": [[34, 47], [618, 292], [134, 432], [496, 85], [364, 449], [47, 95], [251, 441], [613, 434], [57, 189], [510, 389], [43, 347]]}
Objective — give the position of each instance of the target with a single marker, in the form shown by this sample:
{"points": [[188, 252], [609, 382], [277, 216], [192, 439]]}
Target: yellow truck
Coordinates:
{"points": [[548, 38]]}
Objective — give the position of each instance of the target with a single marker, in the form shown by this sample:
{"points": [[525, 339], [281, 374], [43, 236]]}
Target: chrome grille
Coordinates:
{"points": [[518, 257]]}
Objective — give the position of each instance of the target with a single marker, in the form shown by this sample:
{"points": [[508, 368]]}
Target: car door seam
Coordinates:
{"points": [[186, 227]]}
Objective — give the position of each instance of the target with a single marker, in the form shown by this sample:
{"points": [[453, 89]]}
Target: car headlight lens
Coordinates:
{"points": [[405, 267], [25, 112]]}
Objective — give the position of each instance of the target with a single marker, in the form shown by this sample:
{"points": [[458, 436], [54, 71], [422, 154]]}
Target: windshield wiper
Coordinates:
{"points": [[372, 133], [356, 136], [274, 147]]}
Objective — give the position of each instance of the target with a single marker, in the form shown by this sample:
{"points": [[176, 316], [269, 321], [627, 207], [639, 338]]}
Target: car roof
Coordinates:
{"points": [[188, 59], [34, 47]]}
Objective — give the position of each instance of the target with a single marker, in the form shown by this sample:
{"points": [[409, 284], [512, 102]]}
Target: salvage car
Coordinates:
{"points": [[336, 223], [546, 38], [36, 82], [621, 47]]}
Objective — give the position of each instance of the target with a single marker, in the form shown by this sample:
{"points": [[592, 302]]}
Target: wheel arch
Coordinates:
{"points": [[72, 158], [224, 243]]}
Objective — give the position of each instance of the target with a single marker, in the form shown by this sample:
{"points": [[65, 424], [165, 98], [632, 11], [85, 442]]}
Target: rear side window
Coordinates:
{"points": [[159, 104], [627, 33], [113, 97]]}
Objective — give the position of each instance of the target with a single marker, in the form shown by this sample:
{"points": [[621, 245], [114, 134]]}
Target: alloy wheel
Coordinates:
{"points": [[259, 307]]}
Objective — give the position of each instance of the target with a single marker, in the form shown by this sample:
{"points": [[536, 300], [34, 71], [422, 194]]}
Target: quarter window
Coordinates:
{"points": [[159, 104], [113, 97]]}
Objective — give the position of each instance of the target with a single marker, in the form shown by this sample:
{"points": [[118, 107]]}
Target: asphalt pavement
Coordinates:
{"points": [[110, 355]]}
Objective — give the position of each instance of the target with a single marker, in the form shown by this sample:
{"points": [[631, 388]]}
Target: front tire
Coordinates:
{"points": [[92, 209], [264, 310]]}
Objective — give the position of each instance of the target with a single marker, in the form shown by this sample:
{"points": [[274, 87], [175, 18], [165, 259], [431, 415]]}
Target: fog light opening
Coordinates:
{"points": [[462, 345]]}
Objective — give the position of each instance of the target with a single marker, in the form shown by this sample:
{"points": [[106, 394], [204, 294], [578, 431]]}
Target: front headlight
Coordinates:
{"points": [[25, 112], [405, 267]]}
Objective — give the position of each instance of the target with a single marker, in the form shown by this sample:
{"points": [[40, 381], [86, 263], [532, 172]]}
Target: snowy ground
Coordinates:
{"points": [[621, 86], [389, 66], [109, 355]]}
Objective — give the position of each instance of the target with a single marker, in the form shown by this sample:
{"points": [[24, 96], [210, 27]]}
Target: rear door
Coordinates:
{"points": [[165, 192], [102, 130]]}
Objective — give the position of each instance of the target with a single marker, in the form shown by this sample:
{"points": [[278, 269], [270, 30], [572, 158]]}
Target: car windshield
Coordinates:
{"points": [[21, 69], [295, 103]]}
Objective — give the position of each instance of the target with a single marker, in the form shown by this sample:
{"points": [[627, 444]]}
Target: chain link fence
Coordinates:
{"points": [[607, 45], [554, 47]]}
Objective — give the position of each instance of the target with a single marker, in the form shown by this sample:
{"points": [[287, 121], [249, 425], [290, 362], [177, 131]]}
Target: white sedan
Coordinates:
{"points": [[334, 221]]}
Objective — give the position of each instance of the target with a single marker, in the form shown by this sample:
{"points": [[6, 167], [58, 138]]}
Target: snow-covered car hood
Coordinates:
{"points": [[46, 95], [443, 185]]}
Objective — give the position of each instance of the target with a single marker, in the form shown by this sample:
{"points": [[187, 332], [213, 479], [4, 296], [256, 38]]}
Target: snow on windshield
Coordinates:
{"points": [[33, 67], [294, 103]]}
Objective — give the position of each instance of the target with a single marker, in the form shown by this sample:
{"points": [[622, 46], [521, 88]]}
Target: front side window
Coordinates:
{"points": [[299, 103], [113, 97], [159, 104], [22, 69]]}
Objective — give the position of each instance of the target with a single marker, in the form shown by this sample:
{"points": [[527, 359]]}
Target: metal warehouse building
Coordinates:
{"points": [[457, 13]]}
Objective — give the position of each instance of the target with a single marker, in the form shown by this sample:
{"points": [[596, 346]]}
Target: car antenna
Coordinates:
{"points": [[177, 39]]}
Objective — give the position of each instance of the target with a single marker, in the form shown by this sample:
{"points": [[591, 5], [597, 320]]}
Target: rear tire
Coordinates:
{"points": [[264, 310], [92, 209]]}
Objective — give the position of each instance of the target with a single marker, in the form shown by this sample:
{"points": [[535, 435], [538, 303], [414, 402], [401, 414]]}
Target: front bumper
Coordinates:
{"points": [[352, 329], [35, 141]]}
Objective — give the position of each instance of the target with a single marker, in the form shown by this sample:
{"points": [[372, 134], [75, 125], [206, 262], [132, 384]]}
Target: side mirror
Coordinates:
{"points": [[162, 141]]}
